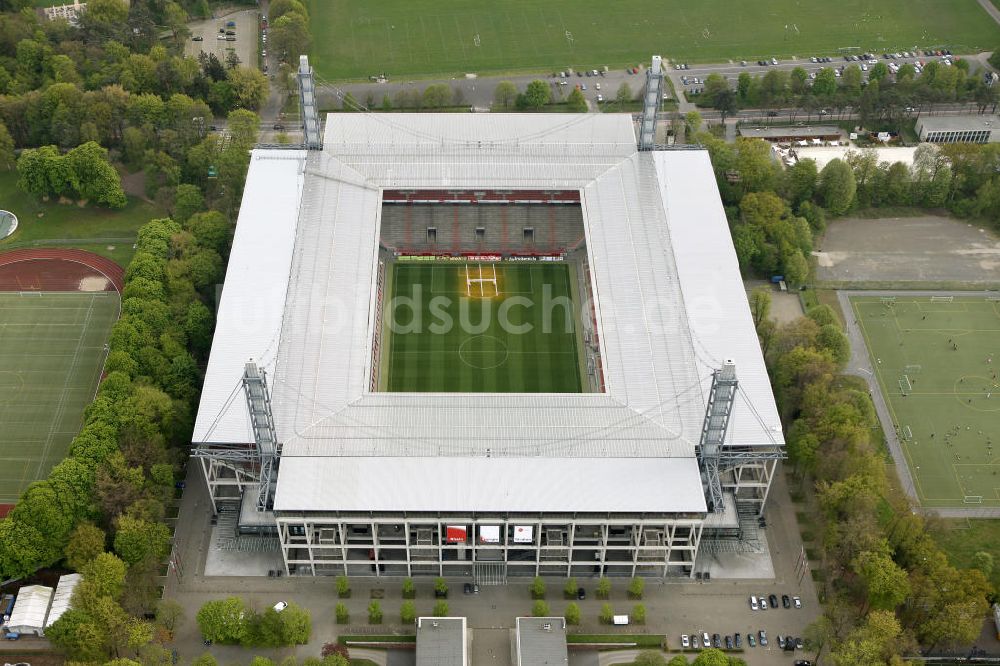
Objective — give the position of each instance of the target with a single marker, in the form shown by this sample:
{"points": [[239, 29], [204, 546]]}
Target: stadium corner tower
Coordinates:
{"points": [[359, 409]]}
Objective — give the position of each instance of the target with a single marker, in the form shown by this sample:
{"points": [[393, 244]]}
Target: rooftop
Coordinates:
{"points": [[541, 641], [441, 641], [962, 123], [299, 299]]}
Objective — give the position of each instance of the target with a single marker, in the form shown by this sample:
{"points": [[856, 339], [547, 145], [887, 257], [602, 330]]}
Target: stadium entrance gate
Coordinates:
{"points": [[490, 573]]}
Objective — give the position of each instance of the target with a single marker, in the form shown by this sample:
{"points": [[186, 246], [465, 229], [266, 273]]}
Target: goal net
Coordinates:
{"points": [[913, 369], [481, 283], [905, 386], [942, 299], [972, 499]]}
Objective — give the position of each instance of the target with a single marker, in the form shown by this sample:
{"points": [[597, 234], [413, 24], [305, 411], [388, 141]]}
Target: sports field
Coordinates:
{"points": [[449, 334], [357, 38], [51, 356], [938, 365]]}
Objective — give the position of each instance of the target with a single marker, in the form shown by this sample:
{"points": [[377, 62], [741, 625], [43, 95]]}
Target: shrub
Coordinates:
{"points": [[343, 587], [540, 609], [572, 613], [440, 609], [639, 614], [374, 612], [636, 587], [607, 615], [537, 588], [407, 612], [343, 617], [409, 591], [440, 587], [603, 588], [569, 591]]}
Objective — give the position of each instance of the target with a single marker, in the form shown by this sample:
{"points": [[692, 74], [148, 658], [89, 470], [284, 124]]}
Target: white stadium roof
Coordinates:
{"points": [[299, 300]]}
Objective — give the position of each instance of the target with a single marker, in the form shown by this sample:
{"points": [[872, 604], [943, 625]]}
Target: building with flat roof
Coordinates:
{"points": [[672, 435], [793, 133], [442, 641], [540, 641], [958, 129]]}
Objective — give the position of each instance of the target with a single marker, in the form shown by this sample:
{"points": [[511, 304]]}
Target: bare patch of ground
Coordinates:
{"points": [[931, 249], [785, 305]]}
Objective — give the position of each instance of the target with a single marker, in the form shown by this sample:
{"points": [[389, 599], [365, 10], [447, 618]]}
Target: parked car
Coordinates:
{"points": [[763, 602], [763, 638], [694, 641], [753, 603], [781, 641], [600, 98], [197, 38], [738, 639], [685, 641], [799, 643], [785, 601], [802, 662], [280, 606], [772, 599], [716, 641], [751, 641], [797, 602], [774, 61], [705, 640], [467, 588], [581, 593], [729, 642]]}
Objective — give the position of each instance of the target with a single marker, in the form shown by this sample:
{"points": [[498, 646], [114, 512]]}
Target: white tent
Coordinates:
{"points": [[30, 609], [61, 599]]}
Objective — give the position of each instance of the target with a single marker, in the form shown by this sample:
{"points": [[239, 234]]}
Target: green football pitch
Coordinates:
{"points": [[517, 335], [357, 38], [938, 366], [51, 356]]}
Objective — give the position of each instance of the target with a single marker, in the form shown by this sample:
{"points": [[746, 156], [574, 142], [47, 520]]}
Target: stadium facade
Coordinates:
{"points": [[296, 430]]}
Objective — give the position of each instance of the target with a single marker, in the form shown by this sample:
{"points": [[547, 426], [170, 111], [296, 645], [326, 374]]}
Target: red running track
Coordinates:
{"points": [[46, 269]]}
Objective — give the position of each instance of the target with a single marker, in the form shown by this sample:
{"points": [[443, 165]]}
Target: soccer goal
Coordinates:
{"points": [[972, 499], [942, 299], [913, 369], [907, 433], [905, 386], [888, 300], [480, 283]]}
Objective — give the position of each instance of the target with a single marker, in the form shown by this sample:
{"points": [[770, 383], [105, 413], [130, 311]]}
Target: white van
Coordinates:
{"points": [[753, 604], [620, 619]]}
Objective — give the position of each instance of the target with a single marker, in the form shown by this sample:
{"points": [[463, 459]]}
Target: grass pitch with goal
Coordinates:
{"points": [[937, 362], [51, 356], [482, 328]]}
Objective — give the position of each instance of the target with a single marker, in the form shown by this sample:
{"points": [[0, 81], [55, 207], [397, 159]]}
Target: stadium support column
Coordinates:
{"points": [[265, 437], [312, 137], [651, 104], [713, 432]]}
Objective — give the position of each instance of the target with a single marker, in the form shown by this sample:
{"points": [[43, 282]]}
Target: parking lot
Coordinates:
{"points": [[245, 45]]}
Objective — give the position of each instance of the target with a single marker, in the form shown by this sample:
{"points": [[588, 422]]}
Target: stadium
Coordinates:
{"points": [[486, 344]]}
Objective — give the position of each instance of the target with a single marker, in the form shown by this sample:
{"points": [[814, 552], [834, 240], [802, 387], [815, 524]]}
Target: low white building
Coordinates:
{"points": [[30, 610]]}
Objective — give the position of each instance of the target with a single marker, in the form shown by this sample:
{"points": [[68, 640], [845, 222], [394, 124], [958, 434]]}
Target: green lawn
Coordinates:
{"points": [[442, 340], [961, 539], [945, 402], [356, 38], [51, 355], [109, 233]]}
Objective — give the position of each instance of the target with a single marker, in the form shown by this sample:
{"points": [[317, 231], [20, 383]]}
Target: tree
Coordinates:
{"points": [[85, 543], [540, 609], [800, 181], [537, 588], [624, 94], [983, 561], [760, 305], [249, 87], [725, 103], [607, 614], [7, 158], [572, 613], [796, 268], [224, 620], [679, 659], [340, 611], [650, 658], [93, 176], [138, 540], [887, 584], [407, 612], [570, 588], [290, 34], [576, 102], [711, 657], [837, 187], [692, 121], [374, 612], [825, 83], [206, 659], [537, 94], [106, 575], [505, 95], [78, 635], [169, 613], [879, 71], [440, 609], [873, 643]]}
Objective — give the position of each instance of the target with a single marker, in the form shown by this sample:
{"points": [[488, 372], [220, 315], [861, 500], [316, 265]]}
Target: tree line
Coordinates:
{"points": [[882, 98]]}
